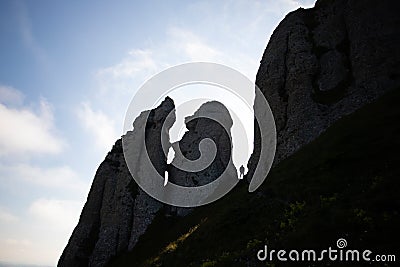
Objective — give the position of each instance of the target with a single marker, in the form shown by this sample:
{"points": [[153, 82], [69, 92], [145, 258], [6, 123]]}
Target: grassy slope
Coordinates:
{"points": [[344, 184]]}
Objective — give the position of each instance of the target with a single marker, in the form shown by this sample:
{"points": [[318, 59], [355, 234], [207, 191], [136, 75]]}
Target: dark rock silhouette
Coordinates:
{"points": [[198, 129], [323, 63], [117, 211]]}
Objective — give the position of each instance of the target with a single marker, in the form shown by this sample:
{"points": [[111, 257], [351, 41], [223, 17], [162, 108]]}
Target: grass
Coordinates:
{"points": [[344, 184]]}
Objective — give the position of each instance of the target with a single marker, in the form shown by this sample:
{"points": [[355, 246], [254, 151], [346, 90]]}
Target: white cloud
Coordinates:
{"points": [[46, 177], [119, 81], [11, 249], [62, 214], [10, 96], [137, 65], [28, 130], [23, 251], [26, 33], [47, 219], [194, 48], [137, 61], [99, 125], [7, 217], [24, 131]]}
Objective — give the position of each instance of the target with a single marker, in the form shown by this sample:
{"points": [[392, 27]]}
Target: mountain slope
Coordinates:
{"points": [[344, 184]]}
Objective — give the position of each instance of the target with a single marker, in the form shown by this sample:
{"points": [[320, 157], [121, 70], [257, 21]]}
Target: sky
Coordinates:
{"points": [[68, 70]]}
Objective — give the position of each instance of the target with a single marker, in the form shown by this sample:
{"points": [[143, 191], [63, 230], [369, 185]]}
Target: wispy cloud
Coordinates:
{"points": [[100, 126], [61, 177], [137, 61], [47, 218], [7, 217], [10, 96], [12, 249], [118, 82], [63, 213], [191, 46], [28, 130], [115, 86], [26, 32], [236, 37], [25, 130]]}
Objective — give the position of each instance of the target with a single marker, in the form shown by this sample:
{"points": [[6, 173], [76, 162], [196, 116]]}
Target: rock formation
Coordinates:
{"points": [[326, 62], [200, 127], [319, 65], [117, 211]]}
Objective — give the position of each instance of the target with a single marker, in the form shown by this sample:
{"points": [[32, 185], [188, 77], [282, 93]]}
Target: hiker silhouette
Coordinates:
{"points": [[241, 170]]}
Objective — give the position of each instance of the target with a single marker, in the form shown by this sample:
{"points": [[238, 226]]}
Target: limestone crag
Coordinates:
{"points": [[117, 211], [200, 126], [326, 62]]}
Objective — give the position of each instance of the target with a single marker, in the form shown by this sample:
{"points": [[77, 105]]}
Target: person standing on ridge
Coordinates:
{"points": [[241, 170]]}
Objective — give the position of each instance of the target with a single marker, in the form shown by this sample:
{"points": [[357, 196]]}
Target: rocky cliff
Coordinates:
{"points": [[200, 128], [325, 62], [117, 211], [319, 65]]}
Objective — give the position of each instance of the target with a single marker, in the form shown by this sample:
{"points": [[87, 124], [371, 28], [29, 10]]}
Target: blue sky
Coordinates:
{"points": [[67, 73]]}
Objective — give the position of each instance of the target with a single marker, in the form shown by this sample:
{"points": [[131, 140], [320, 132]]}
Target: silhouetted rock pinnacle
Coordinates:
{"points": [[117, 211]]}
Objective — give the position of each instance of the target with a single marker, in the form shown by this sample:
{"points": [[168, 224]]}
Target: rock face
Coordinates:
{"points": [[117, 211], [200, 128], [326, 62], [146, 207]]}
